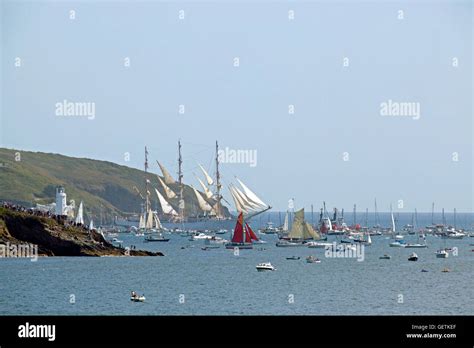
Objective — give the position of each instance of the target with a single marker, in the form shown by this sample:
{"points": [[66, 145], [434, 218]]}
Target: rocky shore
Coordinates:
{"points": [[54, 238]]}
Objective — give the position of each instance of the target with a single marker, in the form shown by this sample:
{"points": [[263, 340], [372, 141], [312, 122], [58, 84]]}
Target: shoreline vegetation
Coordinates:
{"points": [[54, 236]]}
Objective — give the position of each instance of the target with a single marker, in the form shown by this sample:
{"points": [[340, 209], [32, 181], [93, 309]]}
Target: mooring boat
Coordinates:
{"points": [[312, 259], [243, 235], [134, 297], [265, 266], [321, 245], [442, 254], [293, 258], [413, 257], [385, 257]]}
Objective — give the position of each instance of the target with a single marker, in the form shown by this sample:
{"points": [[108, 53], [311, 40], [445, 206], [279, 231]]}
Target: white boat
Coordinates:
{"points": [[134, 297], [413, 257], [221, 231], [312, 259], [385, 257], [442, 254], [265, 266], [321, 245], [116, 240], [201, 236], [455, 235]]}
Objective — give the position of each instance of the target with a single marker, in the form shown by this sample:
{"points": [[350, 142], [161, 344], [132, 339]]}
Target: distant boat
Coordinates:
{"points": [[385, 257], [442, 254], [312, 259], [413, 257], [301, 231], [270, 229], [321, 245], [134, 297], [293, 258], [265, 266], [243, 235]]}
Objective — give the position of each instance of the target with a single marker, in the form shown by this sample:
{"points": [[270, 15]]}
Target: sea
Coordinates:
{"points": [[191, 281]]}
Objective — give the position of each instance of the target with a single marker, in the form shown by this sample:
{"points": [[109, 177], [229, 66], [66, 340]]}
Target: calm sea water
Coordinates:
{"points": [[193, 281]]}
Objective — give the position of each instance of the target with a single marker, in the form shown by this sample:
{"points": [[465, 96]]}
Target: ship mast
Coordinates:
{"points": [[147, 202], [180, 181], [218, 184]]}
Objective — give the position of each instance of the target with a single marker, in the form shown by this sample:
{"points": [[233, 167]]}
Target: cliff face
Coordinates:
{"points": [[55, 239]]}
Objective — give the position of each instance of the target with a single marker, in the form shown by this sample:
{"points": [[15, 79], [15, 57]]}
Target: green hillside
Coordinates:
{"points": [[105, 187]]}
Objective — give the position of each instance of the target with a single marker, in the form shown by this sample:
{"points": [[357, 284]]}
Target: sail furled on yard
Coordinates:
{"points": [[165, 206], [302, 229], [169, 192], [168, 178], [207, 176], [202, 203]]}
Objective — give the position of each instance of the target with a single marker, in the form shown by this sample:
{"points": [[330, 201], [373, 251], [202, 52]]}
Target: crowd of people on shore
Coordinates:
{"points": [[60, 219]]}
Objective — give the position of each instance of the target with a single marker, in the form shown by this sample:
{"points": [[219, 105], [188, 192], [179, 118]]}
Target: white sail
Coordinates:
{"points": [[169, 192], [141, 223], [168, 178], [252, 196], [244, 200], [165, 206], [204, 187], [202, 203], [285, 223], [369, 240], [91, 225], [393, 224], [157, 221], [149, 220], [208, 177], [237, 200], [80, 217]]}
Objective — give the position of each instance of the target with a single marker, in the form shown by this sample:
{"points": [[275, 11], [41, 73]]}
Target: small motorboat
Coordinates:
{"points": [[424, 270], [312, 259], [445, 270], [293, 258], [265, 266], [221, 231], [116, 240], [413, 257], [385, 257], [442, 254], [134, 297]]}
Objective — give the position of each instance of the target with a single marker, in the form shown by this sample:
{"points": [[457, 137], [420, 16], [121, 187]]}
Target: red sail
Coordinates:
{"points": [[238, 236], [253, 236]]}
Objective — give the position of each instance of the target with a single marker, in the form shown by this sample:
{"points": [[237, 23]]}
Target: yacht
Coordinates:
{"points": [[265, 266]]}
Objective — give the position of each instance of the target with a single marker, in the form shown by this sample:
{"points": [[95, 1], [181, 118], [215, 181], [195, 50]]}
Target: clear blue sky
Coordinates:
{"points": [[282, 62]]}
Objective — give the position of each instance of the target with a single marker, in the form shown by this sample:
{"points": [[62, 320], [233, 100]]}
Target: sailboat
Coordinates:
{"points": [[243, 235], [301, 231], [416, 245], [91, 225], [80, 215], [399, 241]]}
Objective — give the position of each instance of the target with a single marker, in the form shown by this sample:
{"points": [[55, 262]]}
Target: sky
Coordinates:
{"points": [[137, 62]]}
